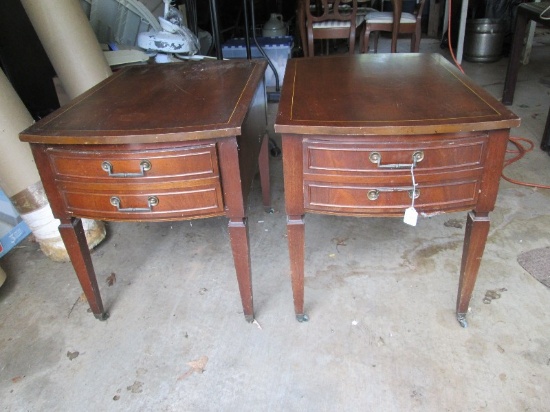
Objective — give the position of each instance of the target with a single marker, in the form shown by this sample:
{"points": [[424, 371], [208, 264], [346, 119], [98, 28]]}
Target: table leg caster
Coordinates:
{"points": [[274, 148], [102, 316], [249, 318], [302, 318], [461, 317]]}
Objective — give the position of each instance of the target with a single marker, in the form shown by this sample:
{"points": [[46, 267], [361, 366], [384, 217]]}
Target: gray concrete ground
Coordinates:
{"points": [[382, 334]]}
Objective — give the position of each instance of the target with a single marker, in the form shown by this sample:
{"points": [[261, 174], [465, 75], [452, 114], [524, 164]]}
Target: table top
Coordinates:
{"points": [[156, 103], [385, 94], [535, 8]]}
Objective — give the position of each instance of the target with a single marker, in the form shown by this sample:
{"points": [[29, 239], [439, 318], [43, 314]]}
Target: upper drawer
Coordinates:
{"points": [[383, 155], [181, 162]]}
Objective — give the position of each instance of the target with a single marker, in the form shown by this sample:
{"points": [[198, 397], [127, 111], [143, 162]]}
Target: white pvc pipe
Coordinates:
{"points": [[44, 227], [2, 276], [18, 173], [17, 167], [69, 42]]}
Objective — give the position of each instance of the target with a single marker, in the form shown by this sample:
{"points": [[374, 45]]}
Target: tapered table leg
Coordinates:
{"points": [[294, 204], [240, 246], [73, 236], [545, 141], [238, 225], [477, 230], [263, 162], [513, 61], [295, 233]]}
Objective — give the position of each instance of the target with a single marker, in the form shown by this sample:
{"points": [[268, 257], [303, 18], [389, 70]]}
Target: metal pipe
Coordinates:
{"points": [[247, 30], [271, 65], [216, 28]]}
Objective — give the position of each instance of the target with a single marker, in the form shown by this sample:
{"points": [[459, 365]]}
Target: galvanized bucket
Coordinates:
{"points": [[483, 40]]}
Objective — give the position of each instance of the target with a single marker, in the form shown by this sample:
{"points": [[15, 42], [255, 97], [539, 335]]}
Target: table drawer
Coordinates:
{"points": [[154, 202], [109, 164], [362, 157], [382, 200]]}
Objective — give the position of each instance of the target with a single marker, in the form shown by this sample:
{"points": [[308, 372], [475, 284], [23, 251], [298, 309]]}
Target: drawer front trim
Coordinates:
{"points": [[356, 158], [111, 165], [172, 204], [393, 200]]}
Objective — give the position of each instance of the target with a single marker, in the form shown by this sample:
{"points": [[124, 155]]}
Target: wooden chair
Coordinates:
{"points": [[327, 19], [394, 21]]}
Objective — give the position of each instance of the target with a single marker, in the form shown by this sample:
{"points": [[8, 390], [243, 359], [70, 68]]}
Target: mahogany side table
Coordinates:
{"points": [[155, 143], [355, 129]]}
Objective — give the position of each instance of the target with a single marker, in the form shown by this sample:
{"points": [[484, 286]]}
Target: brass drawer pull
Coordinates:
{"points": [[151, 201], [376, 158], [415, 192], [144, 166], [373, 194]]}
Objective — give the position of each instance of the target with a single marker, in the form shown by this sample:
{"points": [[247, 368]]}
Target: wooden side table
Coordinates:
{"points": [[156, 143], [356, 128], [525, 13]]}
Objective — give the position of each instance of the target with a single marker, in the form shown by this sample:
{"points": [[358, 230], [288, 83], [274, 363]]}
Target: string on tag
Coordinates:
{"points": [[414, 185], [411, 215]]}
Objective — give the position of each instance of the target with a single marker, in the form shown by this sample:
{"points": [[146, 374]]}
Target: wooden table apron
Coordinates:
{"points": [[157, 143], [353, 127]]}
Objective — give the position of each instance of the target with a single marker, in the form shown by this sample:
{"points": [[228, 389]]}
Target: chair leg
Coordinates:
{"points": [[359, 37], [310, 49], [365, 42], [375, 42], [416, 38], [310, 52], [394, 37], [352, 43]]}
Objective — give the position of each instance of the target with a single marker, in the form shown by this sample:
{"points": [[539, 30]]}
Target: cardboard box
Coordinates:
{"points": [[12, 228]]}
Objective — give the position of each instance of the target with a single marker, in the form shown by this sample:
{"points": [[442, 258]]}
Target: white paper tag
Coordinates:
{"points": [[411, 216]]}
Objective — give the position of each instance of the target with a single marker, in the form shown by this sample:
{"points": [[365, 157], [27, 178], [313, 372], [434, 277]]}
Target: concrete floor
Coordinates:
{"points": [[382, 334]]}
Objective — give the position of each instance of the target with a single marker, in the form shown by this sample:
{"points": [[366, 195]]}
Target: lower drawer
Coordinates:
{"points": [[149, 204], [362, 200]]}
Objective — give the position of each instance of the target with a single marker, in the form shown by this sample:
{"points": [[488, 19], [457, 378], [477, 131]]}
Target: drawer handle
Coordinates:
{"points": [[376, 158], [373, 194], [415, 193], [151, 201], [144, 166]]}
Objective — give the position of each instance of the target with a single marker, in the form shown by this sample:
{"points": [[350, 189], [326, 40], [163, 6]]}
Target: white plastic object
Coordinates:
{"points": [[167, 26], [165, 42], [119, 21]]}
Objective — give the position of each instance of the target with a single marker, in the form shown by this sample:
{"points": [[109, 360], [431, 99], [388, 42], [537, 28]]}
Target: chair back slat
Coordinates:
{"points": [[395, 22], [323, 10], [327, 19]]}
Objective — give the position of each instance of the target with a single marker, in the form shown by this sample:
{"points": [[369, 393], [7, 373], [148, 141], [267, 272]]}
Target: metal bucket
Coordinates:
{"points": [[484, 40]]}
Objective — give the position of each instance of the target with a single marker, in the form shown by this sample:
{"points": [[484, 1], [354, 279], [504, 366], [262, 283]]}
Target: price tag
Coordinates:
{"points": [[411, 216]]}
